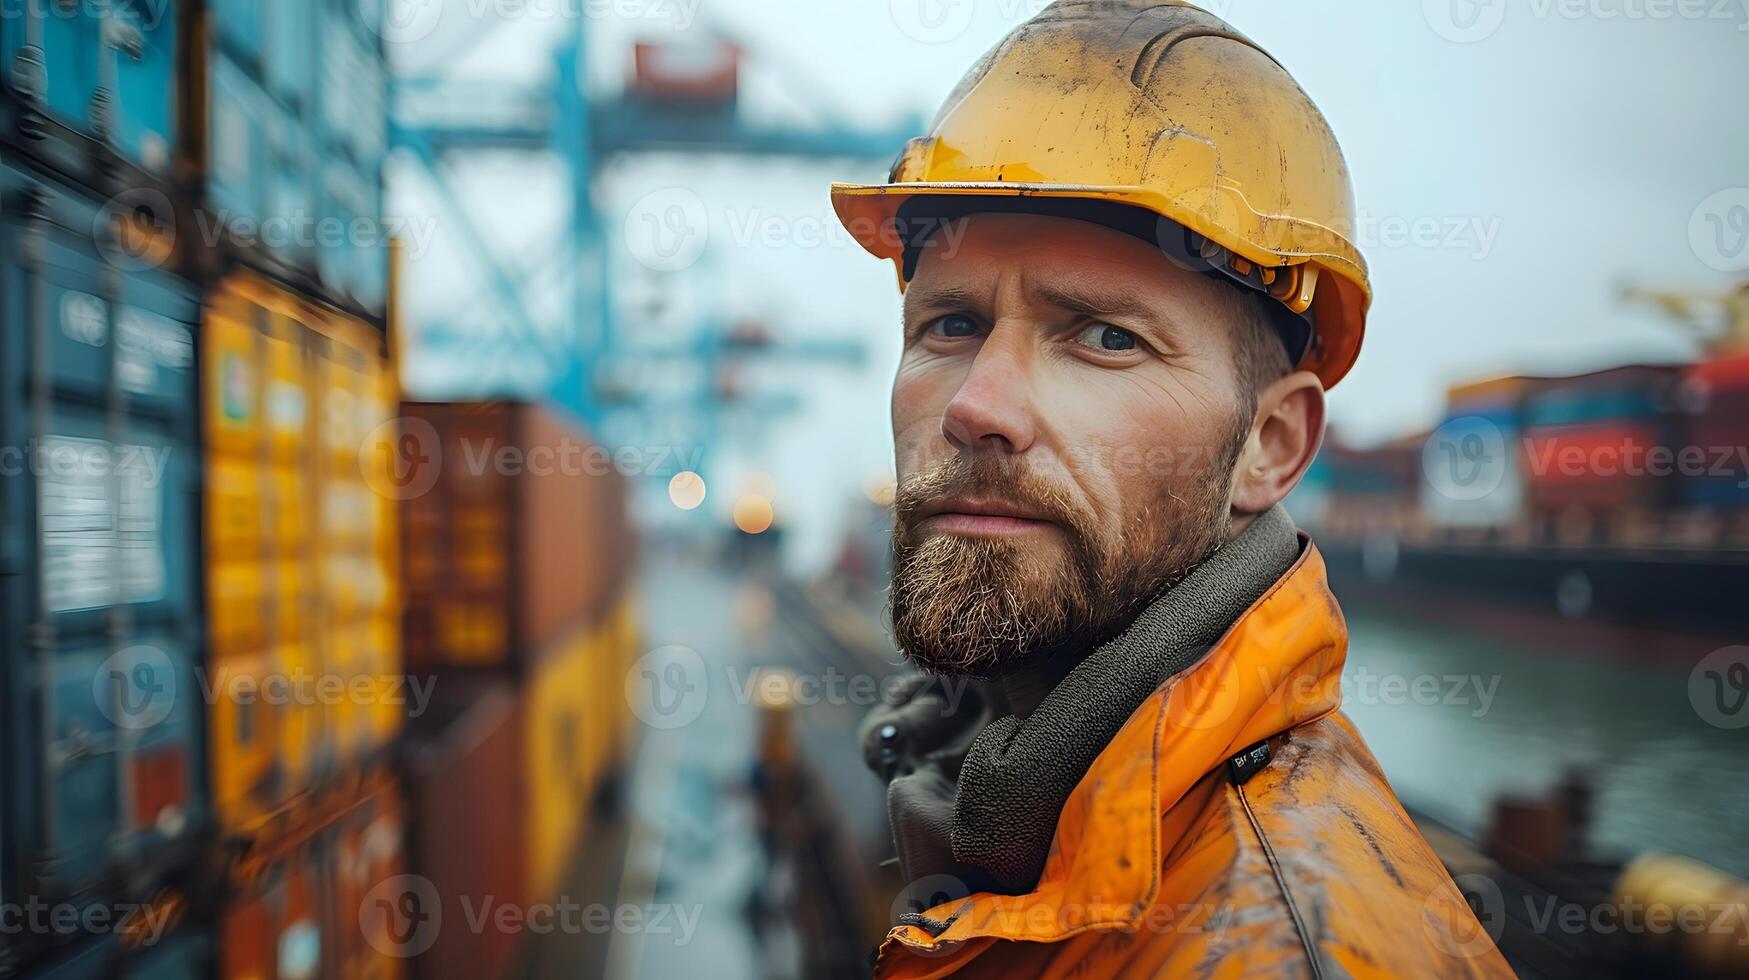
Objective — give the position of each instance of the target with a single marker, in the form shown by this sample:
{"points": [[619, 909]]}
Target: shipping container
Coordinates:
{"points": [[698, 72], [1716, 395], [179, 954], [1600, 468], [308, 908], [301, 547], [292, 102], [1474, 462], [104, 73], [517, 533], [99, 693], [512, 765], [465, 783], [1635, 392]]}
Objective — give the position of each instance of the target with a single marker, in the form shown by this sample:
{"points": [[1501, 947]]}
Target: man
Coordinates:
{"points": [[1126, 290]]}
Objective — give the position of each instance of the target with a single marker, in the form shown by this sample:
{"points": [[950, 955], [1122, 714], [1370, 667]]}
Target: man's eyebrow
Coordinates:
{"points": [[940, 296], [1102, 303]]}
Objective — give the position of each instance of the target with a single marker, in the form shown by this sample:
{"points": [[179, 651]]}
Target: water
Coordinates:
{"points": [[1666, 779]]}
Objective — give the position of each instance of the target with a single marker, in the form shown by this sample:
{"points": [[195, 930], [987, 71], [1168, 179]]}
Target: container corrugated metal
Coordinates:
{"points": [[1630, 393], [102, 711], [1717, 395], [510, 765], [105, 71], [293, 107], [1601, 468], [301, 549], [575, 733], [310, 908], [465, 787], [182, 953], [522, 537]]}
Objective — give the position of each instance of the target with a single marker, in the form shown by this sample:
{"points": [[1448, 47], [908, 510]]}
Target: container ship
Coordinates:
{"points": [[1608, 509]]}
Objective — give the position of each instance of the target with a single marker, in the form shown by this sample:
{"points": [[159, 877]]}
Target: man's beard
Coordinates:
{"points": [[976, 607]]}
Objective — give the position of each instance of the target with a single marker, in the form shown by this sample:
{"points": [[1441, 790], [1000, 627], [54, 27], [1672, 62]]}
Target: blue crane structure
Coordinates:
{"points": [[436, 118]]}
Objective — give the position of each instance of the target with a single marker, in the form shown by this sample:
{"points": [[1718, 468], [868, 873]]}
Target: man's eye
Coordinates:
{"points": [[1105, 337], [953, 326]]}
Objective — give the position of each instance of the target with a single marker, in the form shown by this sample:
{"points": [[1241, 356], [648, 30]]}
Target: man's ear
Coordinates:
{"points": [[1285, 435]]}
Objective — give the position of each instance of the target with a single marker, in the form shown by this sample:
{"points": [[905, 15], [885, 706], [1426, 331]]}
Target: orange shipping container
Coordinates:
{"points": [[517, 533]]}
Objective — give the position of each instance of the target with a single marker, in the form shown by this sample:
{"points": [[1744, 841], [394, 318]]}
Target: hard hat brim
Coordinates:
{"points": [[870, 213]]}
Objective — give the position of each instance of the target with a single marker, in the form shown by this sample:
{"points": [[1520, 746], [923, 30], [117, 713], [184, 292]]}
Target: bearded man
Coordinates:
{"points": [[1127, 288]]}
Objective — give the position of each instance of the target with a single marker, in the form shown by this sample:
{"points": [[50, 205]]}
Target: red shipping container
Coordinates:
{"points": [[1596, 467], [464, 789]]}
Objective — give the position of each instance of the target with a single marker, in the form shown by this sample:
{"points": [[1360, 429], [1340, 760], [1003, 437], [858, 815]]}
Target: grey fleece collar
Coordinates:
{"points": [[1018, 774]]}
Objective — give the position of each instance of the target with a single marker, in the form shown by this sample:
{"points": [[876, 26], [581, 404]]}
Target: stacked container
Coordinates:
{"points": [[291, 99], [1583, 435], [1482, 419], [190, 202], [322, 902], [301, 549], [1717, 396], [517, 602], [104, 797]]}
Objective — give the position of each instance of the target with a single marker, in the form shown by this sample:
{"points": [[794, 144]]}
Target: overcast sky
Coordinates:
{"points": [[1515, 163]]}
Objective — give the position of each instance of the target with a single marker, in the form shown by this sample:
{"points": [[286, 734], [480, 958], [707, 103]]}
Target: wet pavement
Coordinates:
{"points": [[685, 848]]}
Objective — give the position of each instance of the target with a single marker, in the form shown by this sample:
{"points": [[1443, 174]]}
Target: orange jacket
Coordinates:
{"points": [[1164, 865]]}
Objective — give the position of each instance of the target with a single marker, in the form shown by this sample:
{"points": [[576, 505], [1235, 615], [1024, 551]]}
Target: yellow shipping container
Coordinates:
{"points": [[574, 733], [301, 553]]}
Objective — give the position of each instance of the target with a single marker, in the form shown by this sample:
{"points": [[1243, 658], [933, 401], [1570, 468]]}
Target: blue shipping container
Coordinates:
{"points": [[104, 68], [102, 706], [181, 954], [298, 134]]}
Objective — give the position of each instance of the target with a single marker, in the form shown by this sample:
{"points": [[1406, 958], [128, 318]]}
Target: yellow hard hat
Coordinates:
{"points": [[1098, 108]]}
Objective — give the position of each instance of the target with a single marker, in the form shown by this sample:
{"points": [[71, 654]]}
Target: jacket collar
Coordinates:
{"points": [[1278, 667]]}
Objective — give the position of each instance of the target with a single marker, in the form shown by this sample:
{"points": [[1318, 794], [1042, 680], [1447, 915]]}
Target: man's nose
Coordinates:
{"points": [[993, 407]]}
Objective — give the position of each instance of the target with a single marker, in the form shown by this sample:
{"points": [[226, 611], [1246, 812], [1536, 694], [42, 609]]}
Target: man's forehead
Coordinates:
{"points": [[1062, 262]]}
